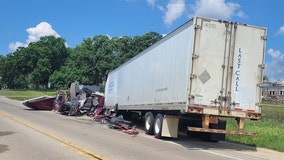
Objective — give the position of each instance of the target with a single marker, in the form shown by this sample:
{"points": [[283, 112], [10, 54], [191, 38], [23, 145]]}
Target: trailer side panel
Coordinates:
{"points": [[157, 78]]}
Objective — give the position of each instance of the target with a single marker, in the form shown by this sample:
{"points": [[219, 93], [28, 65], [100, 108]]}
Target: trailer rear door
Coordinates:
{"points": [[210, 57], [247, 68], [226, 66]]}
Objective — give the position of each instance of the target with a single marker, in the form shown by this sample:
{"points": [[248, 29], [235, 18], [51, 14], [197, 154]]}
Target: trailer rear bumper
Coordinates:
{"points": [[221, 131]]}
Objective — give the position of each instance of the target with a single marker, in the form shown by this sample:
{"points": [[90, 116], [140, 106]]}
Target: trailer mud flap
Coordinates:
{"points": [[170, 126]]}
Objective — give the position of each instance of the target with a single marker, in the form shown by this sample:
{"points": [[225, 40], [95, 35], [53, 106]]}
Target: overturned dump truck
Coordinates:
{"points": [[203, 71]]}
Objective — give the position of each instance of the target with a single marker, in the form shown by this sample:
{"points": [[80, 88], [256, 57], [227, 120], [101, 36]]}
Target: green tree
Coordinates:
{"points": [[265, 78], [33, 65], [48, 60], [47, 56], [60, 78], [2, 58], [41, 73], [9, 73], [92, 60]]}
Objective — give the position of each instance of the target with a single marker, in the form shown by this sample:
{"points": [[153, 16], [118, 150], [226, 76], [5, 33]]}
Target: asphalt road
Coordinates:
{"points": [[26, 134]]}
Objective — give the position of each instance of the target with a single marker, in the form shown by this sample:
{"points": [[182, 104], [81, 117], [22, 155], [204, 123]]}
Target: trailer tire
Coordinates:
{"points": [[208, 137], [158, 125], [149, 123]]}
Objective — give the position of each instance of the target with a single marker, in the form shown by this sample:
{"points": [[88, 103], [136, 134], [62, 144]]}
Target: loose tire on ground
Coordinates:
{"points": [[158, 125], [149, 123]]}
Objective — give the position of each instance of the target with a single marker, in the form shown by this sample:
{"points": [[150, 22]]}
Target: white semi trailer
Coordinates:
{"points": [[203, 70]]}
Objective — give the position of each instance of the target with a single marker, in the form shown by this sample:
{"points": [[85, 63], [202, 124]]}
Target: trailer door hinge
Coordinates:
{"points": [[264, 38], [193, 76], [260, 85], [261, 66], [235, 103], [194, 56], [197, 26]]}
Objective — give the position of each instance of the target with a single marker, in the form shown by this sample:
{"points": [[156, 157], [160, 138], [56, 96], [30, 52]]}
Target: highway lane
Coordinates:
{"points": [[29, 134], [20, 142]]}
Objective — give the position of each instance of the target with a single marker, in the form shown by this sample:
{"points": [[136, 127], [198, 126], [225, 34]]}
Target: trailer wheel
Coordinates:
{"points": [[149, 123], [158, 125]]}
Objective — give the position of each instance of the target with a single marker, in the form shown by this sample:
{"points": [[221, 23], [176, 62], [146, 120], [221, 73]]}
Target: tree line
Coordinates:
{"points": [[48, 63]]}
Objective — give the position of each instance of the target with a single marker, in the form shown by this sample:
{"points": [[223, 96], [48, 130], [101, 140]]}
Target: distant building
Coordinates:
{"points": [[273, 91]]}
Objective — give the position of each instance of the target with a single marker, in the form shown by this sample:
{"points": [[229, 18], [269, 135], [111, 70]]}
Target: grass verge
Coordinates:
{"points": [[21, 95], [270, 129]]}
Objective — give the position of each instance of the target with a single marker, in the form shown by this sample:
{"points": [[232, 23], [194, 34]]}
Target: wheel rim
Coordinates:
{"points": [[148, 123], [158, 125]]}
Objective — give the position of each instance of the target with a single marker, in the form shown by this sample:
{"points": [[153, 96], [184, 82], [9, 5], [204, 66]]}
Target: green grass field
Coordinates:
{"points": [[270, 127], [21, 95]]}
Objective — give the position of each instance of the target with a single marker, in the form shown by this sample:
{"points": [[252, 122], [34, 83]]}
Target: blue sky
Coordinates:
{"points": [[25, 21]]}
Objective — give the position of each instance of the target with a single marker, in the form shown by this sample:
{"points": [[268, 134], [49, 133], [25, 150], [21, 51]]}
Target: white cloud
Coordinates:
{"points": [[281, 30], [161, 8], [151, 3], [42, 29], [241, 14], [275, 68], [276, 54], [218, 9], [175, 9], [13, 46]]}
